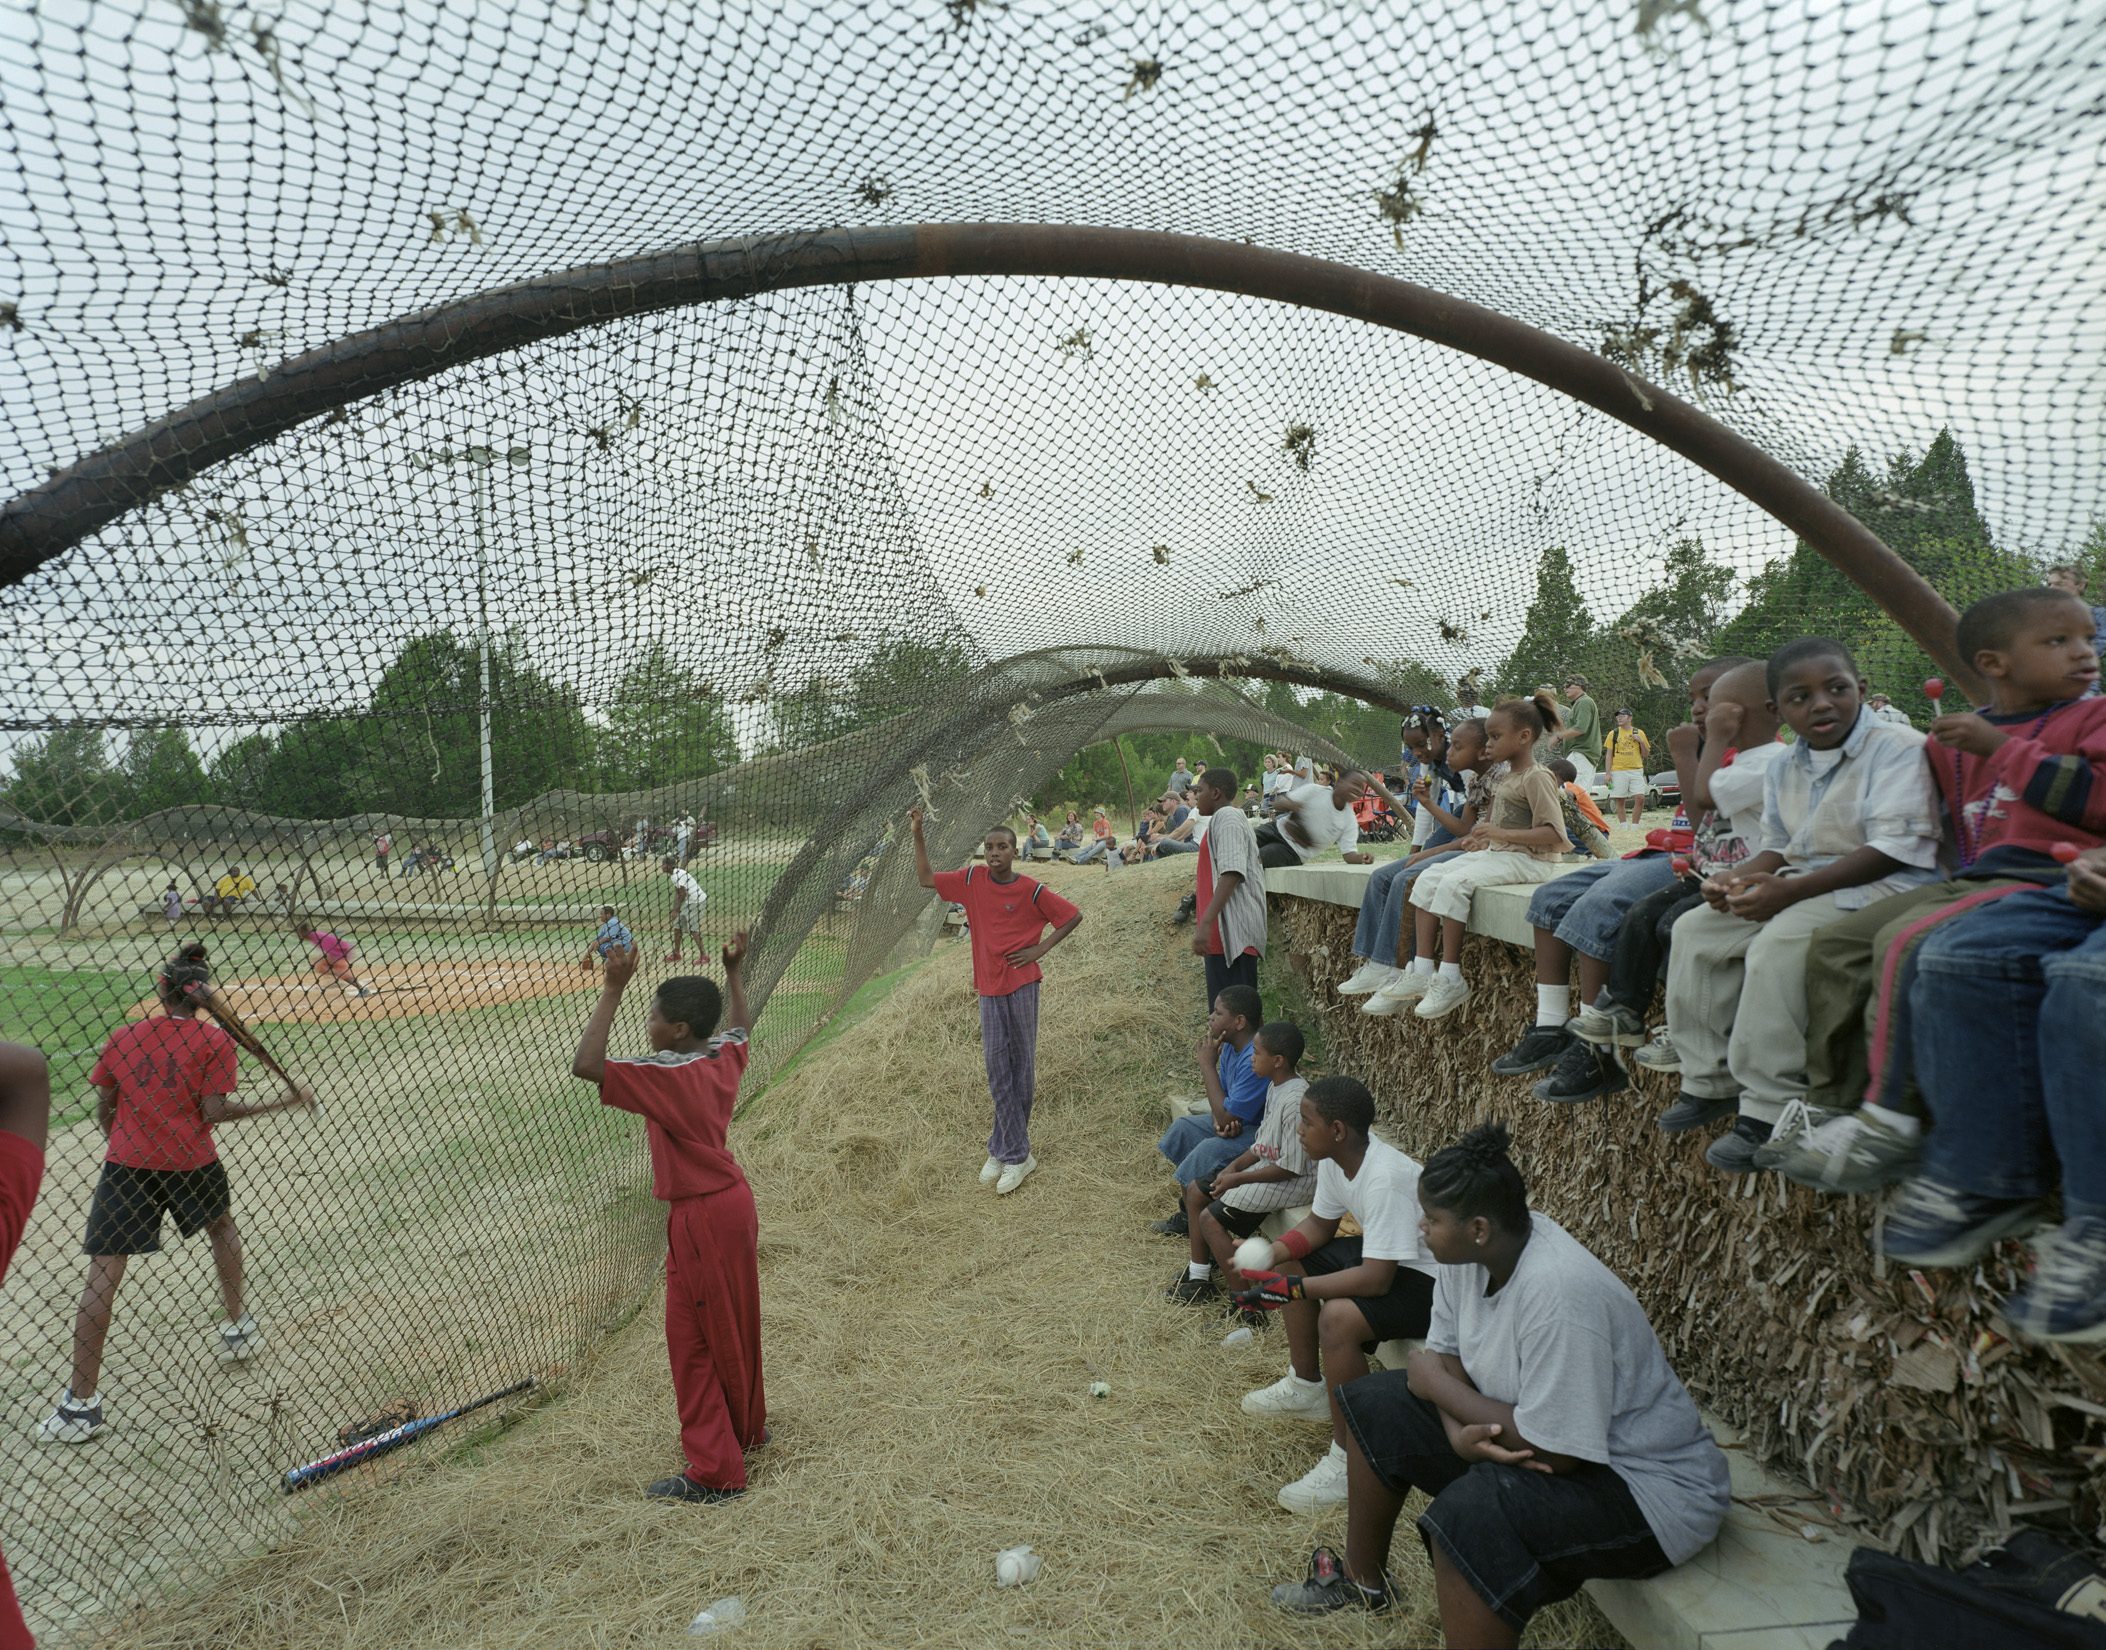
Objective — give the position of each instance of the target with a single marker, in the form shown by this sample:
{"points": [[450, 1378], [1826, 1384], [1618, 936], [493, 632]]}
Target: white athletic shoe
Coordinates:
{"points": [[72, 1423], [1443, 997], [991, 1170], [1373, 976], [1290, 1398], [1013, 1176], [1660, 1054], [1407, 988], [1319, 1489], [238, 1341]]}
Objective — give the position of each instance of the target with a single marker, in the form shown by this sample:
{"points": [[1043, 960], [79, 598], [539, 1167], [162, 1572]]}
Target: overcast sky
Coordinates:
{"points": [[1898, 207]]}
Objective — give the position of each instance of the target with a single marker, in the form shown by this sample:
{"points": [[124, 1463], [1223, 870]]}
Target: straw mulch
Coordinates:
{"points": [[1894, 1392], [929, 1351]]}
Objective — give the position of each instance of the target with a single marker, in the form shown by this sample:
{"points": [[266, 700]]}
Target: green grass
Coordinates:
{"points": [[68, 1014]]}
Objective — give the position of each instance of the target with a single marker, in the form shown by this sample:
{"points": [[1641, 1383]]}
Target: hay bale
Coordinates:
{"points": [[1896, 1393]]}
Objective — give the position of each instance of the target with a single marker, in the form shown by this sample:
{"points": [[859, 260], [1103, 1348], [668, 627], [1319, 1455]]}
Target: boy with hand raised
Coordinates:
{"points": [[1275, 1173], [1342, 1296], [1201, 1144]]}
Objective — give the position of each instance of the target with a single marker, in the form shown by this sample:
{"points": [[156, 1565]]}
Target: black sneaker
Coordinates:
{"points": [[1187, 909], [1176, 1226], [1327, 1587], [1190, 1291], [1693, 1111], [685, 1488], [1250, 1317], [1541, 1049], [1585, 1073], [1734, 1151]]}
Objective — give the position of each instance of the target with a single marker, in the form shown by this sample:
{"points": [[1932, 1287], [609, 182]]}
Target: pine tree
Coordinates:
{"points": [[162, 771], [1557, 633]]}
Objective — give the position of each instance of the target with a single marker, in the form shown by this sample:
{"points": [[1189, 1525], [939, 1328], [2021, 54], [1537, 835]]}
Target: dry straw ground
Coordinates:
{"points": [[929, 1353]]}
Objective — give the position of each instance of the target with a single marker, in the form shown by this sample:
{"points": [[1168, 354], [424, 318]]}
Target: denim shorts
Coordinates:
{"points": [[1521, 1539]]}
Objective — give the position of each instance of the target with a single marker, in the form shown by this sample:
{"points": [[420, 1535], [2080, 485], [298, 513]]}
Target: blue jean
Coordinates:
{"points": [[1197, 1150], [2008, 1025], [1386, 903], [1584, 908], [1175, 845]]}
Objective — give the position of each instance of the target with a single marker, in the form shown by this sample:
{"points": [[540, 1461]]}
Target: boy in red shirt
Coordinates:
{"points": [[685, 1092], [160, 1087], [25, 1116], [1006, 914]]}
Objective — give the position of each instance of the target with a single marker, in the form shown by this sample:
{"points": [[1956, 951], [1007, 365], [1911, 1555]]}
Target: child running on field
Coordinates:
{"points": [[1522, 840], [1006, 916], [1342, 1296], [334, 963], [685, 1090], [1275, 1173], [2016, 779], [161, 1086]]}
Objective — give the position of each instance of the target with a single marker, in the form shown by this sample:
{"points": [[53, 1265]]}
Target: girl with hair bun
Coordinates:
{"points": [[1519, 838], [1541, 1417]]}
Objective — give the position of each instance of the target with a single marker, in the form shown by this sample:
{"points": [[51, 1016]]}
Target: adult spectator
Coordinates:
{"points": [[1038, 841], [548, 851], [1581, 735], [683, 836], [688, 900], [2069, 576], [1182, 778], [1628, 751], [381, 844], [1314, 817], [1179, 834], [1884, 708], [231, 889]]}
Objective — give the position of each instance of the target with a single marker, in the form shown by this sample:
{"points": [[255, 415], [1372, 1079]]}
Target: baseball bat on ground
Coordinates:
{"points": [[329, 1465]]}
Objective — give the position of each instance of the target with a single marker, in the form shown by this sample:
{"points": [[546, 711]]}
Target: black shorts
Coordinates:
{"points": [[1521, 1539], [1238, 1223], [1404, 1314], [125, 1217]]}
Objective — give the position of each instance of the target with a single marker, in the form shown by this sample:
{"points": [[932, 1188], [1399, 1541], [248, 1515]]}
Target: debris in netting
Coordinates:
{"points": [[1696, 341], [979, 590], [1204, 384], [265, 40], [206, 19], [924, 789], [1146, 72], [1216, 743], [1403, 584], [1076, 345], [1419, 156], [1300, 445], [1648, 672], [811, 547], [1902, 339], [987, 489], [1256, 494], [1250, 589], [1398, 205], [1177, 667], [274, 276], [964, 11], [11, 317], [874, 191], [833, 403], [1652, 13], [1075, 556], [445, 226], [1161, 553], [1453, 633]]}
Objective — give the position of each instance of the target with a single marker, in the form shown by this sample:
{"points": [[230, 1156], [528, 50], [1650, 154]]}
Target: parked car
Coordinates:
{"points": [[602, 846], [1663, 790]]}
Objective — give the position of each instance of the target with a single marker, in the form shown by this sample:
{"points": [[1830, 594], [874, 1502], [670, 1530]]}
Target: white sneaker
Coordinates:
{"points": [[238, 1341], [991, 1170], [1013, 1176], [1373, 976], [1659, 1054], [1319, 1489], [72, 1423], [1291, 1398], [1443, 997], [1407, 988]]}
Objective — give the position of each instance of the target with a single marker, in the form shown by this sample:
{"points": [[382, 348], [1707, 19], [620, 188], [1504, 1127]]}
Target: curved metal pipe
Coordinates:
{"points": [[49, 519]]}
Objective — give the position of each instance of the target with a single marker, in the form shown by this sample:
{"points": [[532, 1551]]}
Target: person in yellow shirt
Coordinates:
{"points": [[1628, 751], [231, 889]]}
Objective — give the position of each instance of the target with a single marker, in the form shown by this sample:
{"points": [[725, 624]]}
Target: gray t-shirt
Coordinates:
{"points": [[1231, 844], [1570, 1348]]}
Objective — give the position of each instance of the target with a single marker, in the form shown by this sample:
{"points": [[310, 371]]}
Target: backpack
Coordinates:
{"points": [[2033, 1593]]}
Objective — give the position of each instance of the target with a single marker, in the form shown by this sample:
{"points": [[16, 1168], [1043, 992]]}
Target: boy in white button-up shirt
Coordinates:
{"points": [[1849, 816]]}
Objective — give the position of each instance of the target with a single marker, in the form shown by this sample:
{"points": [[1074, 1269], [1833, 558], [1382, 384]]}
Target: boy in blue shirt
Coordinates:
{"points": [[613, 936], [1200, 1144]]}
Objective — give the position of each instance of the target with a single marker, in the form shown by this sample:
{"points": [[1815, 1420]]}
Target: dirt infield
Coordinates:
{"points": [[395, 990]]}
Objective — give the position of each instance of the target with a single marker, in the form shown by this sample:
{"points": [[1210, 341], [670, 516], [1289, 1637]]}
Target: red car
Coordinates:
{"points": [[602, 846]]}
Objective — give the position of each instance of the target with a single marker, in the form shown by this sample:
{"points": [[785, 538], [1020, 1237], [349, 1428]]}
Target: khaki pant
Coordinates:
{"points": [[1736, 1003]]}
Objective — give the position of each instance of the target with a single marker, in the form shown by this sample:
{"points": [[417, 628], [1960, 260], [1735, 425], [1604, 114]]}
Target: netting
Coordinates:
{"points": [[339, 513]]}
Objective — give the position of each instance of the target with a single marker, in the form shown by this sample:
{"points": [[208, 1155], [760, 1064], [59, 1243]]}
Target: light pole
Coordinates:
{"points": [[482, 458]]}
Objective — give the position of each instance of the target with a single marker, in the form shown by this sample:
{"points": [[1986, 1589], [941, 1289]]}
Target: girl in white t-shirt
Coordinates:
{"points": [[1541, 1417]]}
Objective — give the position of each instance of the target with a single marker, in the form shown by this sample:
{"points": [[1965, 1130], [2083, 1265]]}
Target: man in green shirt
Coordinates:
{"points": [[1582, 734]]}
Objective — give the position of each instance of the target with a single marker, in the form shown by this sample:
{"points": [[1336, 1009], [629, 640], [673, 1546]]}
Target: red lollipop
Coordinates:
{"points": [[1934, 691], [2065, 852]]}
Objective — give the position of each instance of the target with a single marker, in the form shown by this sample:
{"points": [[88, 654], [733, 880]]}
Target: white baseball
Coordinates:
{"points": [[1254, 1254]]}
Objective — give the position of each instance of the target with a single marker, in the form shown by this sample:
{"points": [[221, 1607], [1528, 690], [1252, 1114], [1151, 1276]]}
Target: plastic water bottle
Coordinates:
{"points": [[1237, 1337], [724, 1614]]}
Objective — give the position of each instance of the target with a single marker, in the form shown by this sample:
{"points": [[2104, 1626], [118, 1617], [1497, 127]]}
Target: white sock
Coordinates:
{"points": [[1200, 1270], [1451, 970], [1909, 1128], [1318, 1382], [1422, 965], [1551, 1004], [88, 1402]]}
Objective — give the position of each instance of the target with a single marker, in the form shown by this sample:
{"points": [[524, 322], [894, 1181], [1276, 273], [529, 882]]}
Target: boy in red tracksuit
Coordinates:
{"points": [[685, 1092]]}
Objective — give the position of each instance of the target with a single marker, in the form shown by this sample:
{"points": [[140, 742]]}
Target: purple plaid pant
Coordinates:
{"points": [[1009, 1038]]}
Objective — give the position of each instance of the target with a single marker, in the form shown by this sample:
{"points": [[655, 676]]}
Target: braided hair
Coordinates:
{"points": [[184, 974], [1476, 1176]]}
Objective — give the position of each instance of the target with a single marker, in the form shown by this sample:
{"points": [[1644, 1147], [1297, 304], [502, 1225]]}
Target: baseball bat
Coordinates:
{"points": [[237, 1028], [329, 1465]]}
